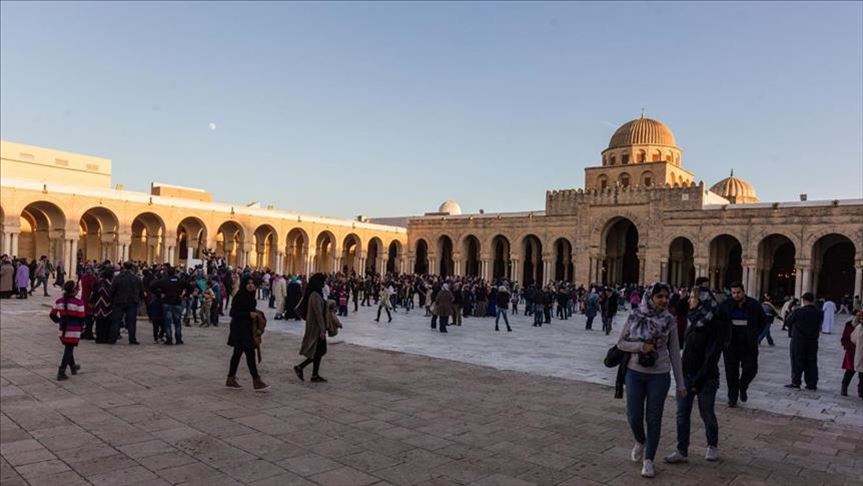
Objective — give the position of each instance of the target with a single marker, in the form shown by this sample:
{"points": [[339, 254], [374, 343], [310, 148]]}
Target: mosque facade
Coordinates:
{"points": [[642, 217]]}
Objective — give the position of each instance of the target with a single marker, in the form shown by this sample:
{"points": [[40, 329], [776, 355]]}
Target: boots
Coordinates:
{"points": [[260, 385], [74, 369], [61, 374], [232, 383], [844, 391]]}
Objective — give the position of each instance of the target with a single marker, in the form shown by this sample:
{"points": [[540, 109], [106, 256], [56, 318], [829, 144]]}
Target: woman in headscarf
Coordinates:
{"points": [[312, 309], [241, 337], [650, 336]]}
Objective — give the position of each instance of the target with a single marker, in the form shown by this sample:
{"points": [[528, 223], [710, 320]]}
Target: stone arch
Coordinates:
{"points": [[775, 265], [563, 260], [421, 255], [231, 242], [296, 250], [647, 178], [532, 266], [148, 238], [192, 235], [624, 179], [471, 253], [265, 241], [325, 252], [680, 269], [352, 254], [375, 254], [619, 247], [98, 239], [43, 232], [445, 250], [395, 254], [833, 271], [501, 254], [725, 261]]}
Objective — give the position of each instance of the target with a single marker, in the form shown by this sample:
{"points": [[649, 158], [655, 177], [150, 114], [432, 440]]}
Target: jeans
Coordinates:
{"points": [[68, 358], [124, 312], [646, 390], [590, 318], [766, 334], [537, 317], [40, 282], [706, 406], [443, 323], [173, 314], [250, 361], [501, 312], [606, 323]]}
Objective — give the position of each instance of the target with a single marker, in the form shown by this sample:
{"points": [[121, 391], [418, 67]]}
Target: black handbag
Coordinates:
{"points": [[614, 357]]}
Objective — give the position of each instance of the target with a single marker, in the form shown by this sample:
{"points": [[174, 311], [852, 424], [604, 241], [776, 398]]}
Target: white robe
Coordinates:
{"points": [[829, 316]]}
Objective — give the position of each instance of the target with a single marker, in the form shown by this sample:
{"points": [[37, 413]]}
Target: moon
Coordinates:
{"points": [[212, 126]]}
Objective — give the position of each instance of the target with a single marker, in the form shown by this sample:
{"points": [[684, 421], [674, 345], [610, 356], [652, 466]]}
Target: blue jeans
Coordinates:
{"points": [[501, 312], [129, 312], [706, 406], [766, 334], [646, 391], [173, 314], [538, 317]]}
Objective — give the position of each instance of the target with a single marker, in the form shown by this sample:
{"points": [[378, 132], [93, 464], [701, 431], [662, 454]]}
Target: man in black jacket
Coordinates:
{"points": [[171, 291], [707, 331], [805, 324], [609, 310], [126, 292], [741, 352]]}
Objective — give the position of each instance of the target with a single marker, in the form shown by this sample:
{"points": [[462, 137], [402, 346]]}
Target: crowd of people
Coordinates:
{"points": [[679, 332]]}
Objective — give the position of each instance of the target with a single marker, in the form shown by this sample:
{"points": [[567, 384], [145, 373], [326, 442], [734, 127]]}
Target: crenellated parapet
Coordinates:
{"points": [[567, 201]]}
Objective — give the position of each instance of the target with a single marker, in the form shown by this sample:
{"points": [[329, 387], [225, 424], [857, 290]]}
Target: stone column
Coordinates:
{"points": [[798, 281], [806, 279], [73, 261], [858, 280], [514, 272]]}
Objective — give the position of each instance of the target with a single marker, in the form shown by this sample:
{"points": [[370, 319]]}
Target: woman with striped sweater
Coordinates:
{"points": [[68, 312]]}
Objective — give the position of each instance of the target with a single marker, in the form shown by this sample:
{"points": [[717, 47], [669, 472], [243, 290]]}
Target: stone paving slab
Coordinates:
{"points": [[155, 414]]}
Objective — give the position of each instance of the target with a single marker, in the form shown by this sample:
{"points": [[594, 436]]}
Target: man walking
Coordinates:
{"points": [[443, 305], [609, 309], [703, 339], [805, 323], [126, 292], [741, 352], [502, 301], [171, 291]]}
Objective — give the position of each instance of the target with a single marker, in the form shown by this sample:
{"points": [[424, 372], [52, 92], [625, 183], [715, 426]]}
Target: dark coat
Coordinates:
{"points": [[316, 325], [805, 323], [293, 294], [848, 345], [443, 303], [241, 335]]}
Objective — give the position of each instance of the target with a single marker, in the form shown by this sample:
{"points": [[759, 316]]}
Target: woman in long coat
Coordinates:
{"points": [[312, 309], [241, 337], [852, 363], [7, 277], [22, 278]]}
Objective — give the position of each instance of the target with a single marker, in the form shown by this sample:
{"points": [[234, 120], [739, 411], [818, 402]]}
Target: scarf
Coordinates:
{"points": [[647, 322], [706, 309]]}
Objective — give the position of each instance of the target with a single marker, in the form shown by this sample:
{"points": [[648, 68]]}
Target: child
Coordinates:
{"points": [[68, 313], [156, 314], [207, 305], [343, 302]]}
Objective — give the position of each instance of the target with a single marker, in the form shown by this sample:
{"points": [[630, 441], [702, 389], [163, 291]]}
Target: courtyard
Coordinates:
{"points": [[404, 406]]}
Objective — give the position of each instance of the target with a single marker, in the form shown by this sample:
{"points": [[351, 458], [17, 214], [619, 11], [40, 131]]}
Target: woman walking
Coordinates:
{"points": [[241, 337], [102, 306], [312, 309], [853, 362], [650, 336], [68, 312]]}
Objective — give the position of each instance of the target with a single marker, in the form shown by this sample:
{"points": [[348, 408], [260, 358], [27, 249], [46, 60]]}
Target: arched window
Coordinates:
{"points": [[642, 156], [647, 178], [613, 160], [624, 180], [625, 159], [657, 156]]}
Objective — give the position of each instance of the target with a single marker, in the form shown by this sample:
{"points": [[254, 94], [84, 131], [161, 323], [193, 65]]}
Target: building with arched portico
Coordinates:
{"points": [[642, 217], [62, 205]]}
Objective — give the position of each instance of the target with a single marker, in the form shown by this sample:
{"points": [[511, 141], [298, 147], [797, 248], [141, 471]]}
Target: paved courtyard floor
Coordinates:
{"points": [[155, 414]]}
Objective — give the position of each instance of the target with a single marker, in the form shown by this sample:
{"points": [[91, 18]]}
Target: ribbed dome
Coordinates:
{"points": [[642, 131], [735, 190], [450, 207]]}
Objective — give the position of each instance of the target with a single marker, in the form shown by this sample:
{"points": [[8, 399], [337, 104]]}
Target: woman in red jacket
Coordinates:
{"points": [[68, 312]]}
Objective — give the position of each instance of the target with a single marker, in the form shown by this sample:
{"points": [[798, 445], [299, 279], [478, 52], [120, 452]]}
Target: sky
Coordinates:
{"points": [[388, 109]]}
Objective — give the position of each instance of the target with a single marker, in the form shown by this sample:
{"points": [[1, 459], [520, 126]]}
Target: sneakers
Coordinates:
{"points": [[74, 369], [793, 386], [260, 386], [299, 372], [637, 452], [232, 383], [712, 453], [676, 457], [61, 375], [647, 469], [318, 379]]}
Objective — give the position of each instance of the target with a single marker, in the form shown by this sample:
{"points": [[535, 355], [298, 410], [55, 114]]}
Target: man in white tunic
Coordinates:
{"points": [[829, 313]]}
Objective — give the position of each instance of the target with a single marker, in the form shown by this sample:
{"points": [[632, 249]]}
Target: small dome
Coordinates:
{"points": [[450, 207], [642, 131], [735, 190]]}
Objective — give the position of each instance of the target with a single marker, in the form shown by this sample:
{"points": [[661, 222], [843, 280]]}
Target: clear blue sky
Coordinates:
{"points": [[390, 108]]}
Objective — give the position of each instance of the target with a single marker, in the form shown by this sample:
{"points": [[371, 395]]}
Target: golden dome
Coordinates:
{"points": [[642, 131], [735, 190]]}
